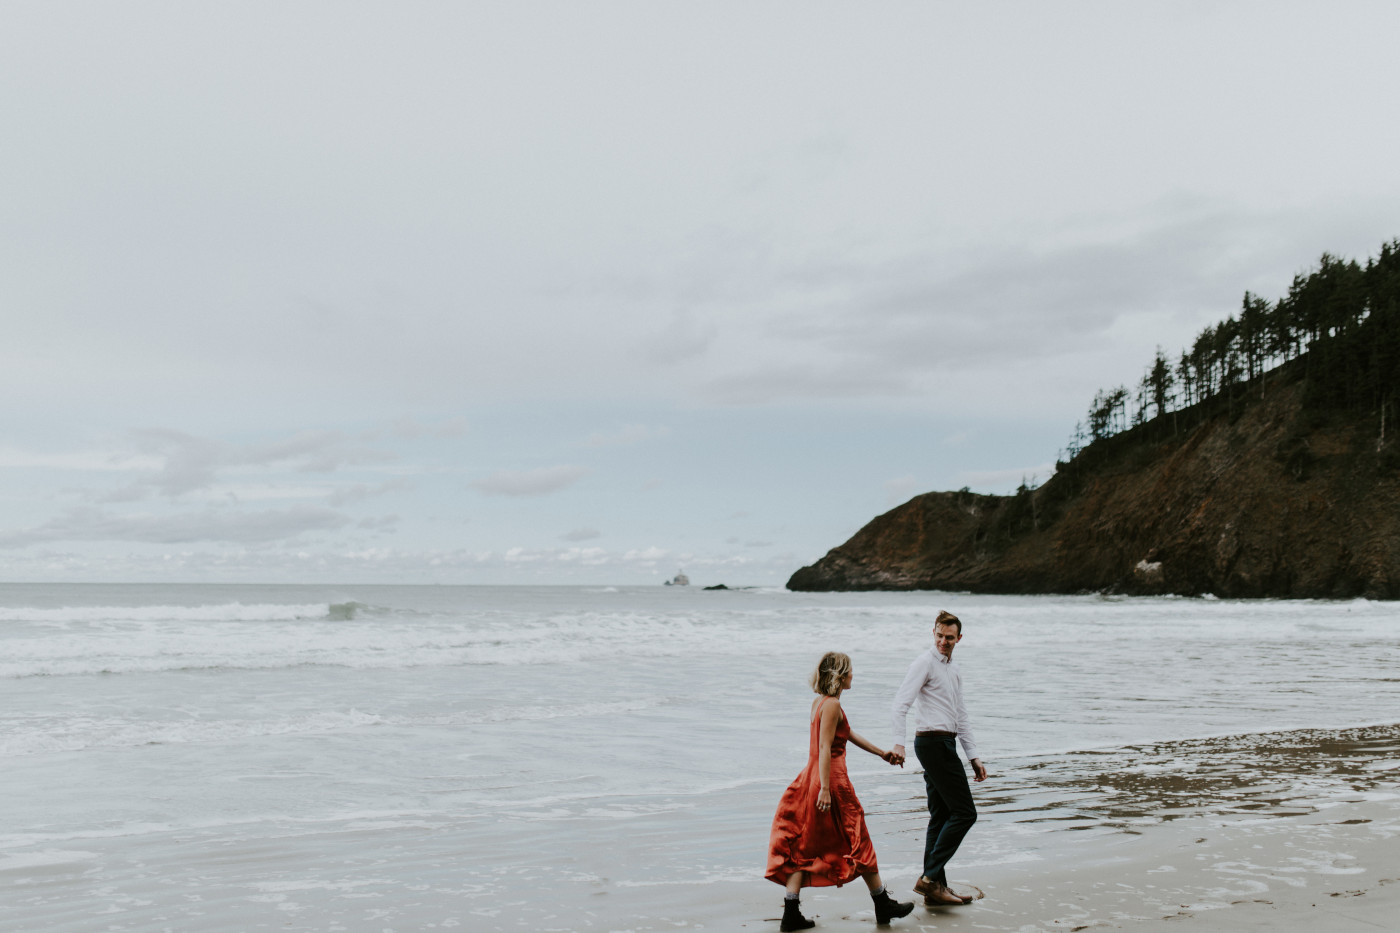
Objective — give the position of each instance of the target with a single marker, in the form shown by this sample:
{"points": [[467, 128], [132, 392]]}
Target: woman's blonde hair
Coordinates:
{"points": [[830, 673]]}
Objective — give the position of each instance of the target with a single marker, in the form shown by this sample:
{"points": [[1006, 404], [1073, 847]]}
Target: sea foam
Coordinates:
{"points": [[222, 612]]}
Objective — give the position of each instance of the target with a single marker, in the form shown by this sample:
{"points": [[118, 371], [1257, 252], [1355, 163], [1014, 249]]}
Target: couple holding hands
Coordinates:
{"points": [[819, 836]]}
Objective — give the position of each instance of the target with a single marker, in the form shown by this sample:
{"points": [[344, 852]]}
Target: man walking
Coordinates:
{"points": [[933, 687]]}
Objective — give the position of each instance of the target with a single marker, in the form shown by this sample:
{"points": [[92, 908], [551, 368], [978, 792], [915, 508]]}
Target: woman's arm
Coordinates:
{"points": [[861, 742], [831, 715]]}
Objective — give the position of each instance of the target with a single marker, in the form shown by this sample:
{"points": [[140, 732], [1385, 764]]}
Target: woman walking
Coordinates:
{"points": [[819, 836]]}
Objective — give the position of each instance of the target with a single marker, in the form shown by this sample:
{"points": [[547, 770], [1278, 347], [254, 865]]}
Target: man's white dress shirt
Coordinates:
{"points": [[933, 687]]}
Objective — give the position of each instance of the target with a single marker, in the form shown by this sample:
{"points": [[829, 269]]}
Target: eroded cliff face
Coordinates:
{"points": [[1273, 500]]}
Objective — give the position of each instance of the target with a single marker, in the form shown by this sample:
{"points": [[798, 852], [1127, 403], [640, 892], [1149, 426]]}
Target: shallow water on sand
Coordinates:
{"points": [[226, 757]]}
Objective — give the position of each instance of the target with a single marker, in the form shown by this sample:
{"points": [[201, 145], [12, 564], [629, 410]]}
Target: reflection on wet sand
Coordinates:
{"points": [[1121, 790]]}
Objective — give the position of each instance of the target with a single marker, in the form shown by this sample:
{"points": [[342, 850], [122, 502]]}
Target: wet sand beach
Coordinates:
{"points": [[1289, 831]]}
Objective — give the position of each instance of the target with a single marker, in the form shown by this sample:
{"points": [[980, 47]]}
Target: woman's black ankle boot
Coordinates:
{"points": [[793, 919], [887, 908]]}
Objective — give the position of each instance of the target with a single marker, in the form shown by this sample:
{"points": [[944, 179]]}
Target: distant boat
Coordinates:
{"points": [[680, 579]]}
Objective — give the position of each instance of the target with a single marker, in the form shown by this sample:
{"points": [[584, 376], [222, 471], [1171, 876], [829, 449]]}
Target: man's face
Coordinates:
{"points": [[945, 637]]}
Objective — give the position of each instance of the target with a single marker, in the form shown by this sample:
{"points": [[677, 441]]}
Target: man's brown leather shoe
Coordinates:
{"points": [[940, 896], [924, 886]]}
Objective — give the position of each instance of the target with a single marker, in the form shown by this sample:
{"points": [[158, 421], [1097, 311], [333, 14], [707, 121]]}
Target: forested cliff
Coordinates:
{"points": [[1262, 463]]}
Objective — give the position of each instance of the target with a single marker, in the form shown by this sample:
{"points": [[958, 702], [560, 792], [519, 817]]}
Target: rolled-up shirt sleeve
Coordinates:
{"points": [[905, 696], [965, 738]]}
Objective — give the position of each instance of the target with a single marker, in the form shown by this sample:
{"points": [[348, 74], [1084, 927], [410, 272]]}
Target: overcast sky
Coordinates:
{"points": [[593, 292]]}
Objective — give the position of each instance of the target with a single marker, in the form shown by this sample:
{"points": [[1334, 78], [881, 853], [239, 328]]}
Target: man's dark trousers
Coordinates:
{"points": [[951, 811]]}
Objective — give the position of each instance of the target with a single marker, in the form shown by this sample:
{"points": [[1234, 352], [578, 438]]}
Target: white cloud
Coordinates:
{"points": [[86, 461], [538, 482], [187, 462], [94, 524], [647, 555], [306, 562], [588, 556]]}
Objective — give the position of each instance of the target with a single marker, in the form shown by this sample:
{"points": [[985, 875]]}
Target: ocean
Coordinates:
{"points": [[226, 757]]}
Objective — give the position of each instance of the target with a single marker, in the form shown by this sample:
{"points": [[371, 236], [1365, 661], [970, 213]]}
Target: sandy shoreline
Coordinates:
{"points": [[1209, 874], [1336, 870], [1283, 831]]}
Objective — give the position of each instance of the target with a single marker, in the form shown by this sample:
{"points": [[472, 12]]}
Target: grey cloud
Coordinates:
{"points": [[131, 493], [412, 429], [581, 534], [191, 462], [94, 524], [683, 338], [539, 482], [359, 492], [773, 383], [896, 322], [382, 523]]}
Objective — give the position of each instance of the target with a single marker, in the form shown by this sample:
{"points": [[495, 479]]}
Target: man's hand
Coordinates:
{"points": [[893, 758], [898, 753], [979, 770]]}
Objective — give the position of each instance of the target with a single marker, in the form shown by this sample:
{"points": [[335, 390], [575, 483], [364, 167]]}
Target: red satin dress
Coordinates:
{"points": [[831, 846]]}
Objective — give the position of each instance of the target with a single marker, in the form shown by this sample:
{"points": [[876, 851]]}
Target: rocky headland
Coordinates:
{"points": [[1279, 481], [1272, 502]]}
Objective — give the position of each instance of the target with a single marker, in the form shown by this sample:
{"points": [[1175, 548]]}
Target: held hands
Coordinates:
{"points": [[895, 756]]}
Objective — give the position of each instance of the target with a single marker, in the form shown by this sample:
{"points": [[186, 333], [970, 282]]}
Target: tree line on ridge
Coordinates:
{"points": [[1338, 327]]}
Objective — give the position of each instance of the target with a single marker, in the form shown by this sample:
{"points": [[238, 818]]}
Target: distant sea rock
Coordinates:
{"points": [[1265, 498]]}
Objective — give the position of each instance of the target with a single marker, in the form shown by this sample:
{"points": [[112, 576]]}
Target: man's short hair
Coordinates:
{"points": [[947, 618]]}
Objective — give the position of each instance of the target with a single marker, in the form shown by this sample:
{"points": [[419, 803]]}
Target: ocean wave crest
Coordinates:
{"points": [[220, 612], [41, 736]]}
